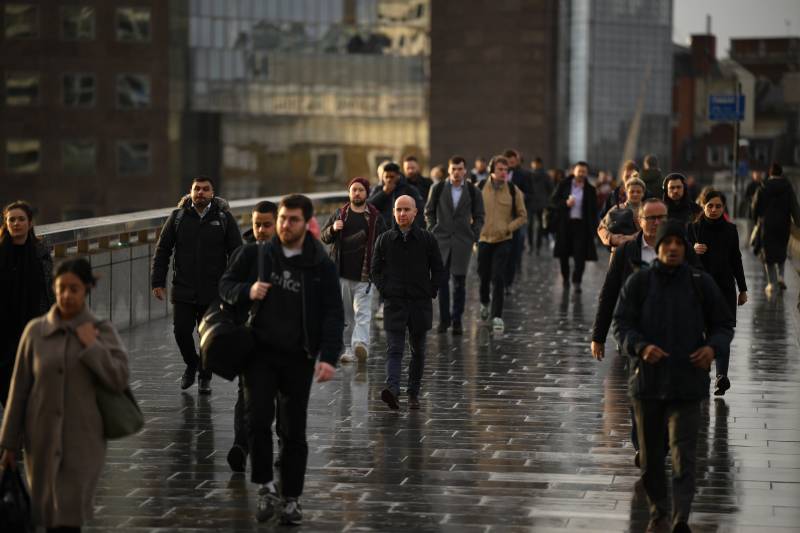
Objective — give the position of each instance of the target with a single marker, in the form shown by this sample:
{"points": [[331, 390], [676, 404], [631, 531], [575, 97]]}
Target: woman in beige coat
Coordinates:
{"points": [[52, 410]]}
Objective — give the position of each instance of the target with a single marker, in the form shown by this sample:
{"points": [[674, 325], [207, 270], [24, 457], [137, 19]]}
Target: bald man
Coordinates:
{"points": [[407, 270]]}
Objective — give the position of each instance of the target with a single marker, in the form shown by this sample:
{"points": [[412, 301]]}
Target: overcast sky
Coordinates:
{"points": [[735, 18]]}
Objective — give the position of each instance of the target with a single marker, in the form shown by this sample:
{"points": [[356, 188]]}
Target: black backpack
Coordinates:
{"points": [[512, 189]]}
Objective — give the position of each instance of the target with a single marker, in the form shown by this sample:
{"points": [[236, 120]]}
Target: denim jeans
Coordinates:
{"points": [[395, 346]]}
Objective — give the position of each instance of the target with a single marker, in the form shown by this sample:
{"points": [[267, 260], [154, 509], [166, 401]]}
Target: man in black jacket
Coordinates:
{"points": [[393, 186], [407, 270], [203, 234], [522, 179], [414, 177], [671, 320], [298, 329], [679, 206]]}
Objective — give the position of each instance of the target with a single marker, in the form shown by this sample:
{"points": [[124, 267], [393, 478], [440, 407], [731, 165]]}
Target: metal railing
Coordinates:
{"points": [[121, 247]]}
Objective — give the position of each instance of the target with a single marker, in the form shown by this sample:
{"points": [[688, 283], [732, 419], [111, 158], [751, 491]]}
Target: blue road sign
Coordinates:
{"points": [[725, 108]]}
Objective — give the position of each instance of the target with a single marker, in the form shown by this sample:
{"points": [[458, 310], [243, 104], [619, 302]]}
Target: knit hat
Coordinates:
{"points": [[359, 179], [672, 176], [670, 228]]}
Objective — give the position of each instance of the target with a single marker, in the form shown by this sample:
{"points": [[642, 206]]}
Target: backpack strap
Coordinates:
{"points": [[177, 221]]}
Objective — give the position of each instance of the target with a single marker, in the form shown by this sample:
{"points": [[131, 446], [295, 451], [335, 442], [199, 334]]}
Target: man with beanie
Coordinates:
{"points": [[679, 206], [407, 270], [351, 232], [298, 330], [669, 372]]}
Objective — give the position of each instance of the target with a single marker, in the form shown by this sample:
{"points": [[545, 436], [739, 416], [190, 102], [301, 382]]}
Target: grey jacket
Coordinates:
{"points": [[456, 228]]}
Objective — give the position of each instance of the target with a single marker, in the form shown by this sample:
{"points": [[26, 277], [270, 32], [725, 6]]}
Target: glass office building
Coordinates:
{"points": [[309, 93], [610, 53]]}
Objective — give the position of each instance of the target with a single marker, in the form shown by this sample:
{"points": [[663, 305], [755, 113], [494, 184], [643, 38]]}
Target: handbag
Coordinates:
{"points": [[226, 345], [120, 412], [15, 502]]}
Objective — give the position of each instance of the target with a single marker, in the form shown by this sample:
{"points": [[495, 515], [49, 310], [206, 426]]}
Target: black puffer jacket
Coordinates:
{"points": [[679, 310], [323, 313], [202, 247]]}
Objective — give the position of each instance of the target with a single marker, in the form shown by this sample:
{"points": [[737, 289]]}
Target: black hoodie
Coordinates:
{"points": [[303, 312]]}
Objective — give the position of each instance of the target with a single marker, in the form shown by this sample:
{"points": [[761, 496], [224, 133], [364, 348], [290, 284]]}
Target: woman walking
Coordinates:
{"points": [[620, 224], [716, 242], [26, 270], [52, 410], [774, 206]]}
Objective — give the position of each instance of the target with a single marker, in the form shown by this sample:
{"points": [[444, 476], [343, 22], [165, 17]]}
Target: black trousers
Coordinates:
{"points": [[185, 318], [459, 295], [541, 233], [681, 419], [6, 373], [574, 246], [515, 261], [493, 258], [269, 375]]}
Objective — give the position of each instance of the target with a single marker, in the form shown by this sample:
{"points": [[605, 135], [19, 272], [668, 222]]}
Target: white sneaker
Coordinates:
{"points": [[379, 312], [347, 357], [484, 312], [769, 289], [361, 352], [497, 325]]}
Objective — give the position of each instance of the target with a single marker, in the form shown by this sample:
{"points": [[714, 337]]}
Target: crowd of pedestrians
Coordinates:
{"points": [[311, 300]]}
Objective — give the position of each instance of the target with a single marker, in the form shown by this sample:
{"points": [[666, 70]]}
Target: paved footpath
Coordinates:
{"points": [[520, 433]]}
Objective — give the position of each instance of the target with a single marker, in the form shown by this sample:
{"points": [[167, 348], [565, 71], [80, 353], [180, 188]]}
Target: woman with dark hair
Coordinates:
{"points": [[52, 408], [26, 270], [716, 243]]}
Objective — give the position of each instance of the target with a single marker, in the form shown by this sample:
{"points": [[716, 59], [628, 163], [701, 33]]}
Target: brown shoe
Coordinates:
{"points": [[413, 401]]}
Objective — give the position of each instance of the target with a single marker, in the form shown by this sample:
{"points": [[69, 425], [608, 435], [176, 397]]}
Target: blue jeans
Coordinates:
{"points": [[395, 346]]}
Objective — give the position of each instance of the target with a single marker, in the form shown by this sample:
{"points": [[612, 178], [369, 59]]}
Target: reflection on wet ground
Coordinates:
{"points": [[520, 433]]}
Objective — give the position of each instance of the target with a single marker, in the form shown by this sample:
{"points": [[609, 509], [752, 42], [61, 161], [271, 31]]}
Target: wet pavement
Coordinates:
{"points": [[524, 432]]}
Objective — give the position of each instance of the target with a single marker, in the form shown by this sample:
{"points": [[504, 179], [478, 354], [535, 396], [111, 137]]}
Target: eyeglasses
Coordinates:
{"points": [[654, 218]]}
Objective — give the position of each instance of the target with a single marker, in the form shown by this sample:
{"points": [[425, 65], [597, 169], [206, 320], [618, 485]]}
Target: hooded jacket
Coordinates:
{"points": [[679, 310], [322, 311], [684, 210], [385, 202], [334, 238], [202, 247]]}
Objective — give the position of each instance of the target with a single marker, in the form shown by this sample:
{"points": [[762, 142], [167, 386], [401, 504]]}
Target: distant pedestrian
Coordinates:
{"points": [[26, 283], [479, 172], [651, 175], [541, 190], [203, 234], [351, 232], [679, 206], [671, 321], [775, 207], [438, 173], [574, 203], [454, 214], [716, 242], [298, 330], [522, 180], [621, 223], [504, 205], [414, 176], [407, 270], [617, 196], [63, 357]]}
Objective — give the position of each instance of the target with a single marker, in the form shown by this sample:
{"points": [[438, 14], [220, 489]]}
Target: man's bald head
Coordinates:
{"points": [[405, 210]]}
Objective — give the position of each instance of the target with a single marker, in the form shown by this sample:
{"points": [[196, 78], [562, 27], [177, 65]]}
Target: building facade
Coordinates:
{"points": [[614, 81]]}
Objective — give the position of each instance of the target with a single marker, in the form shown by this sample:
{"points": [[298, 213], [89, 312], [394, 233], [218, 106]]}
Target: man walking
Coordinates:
{"points": [[203, 234], [262, 229], [522, 180], [298, 329], [455, 219], [671, 320], [679, 206], [504, 206], [407, 270], [414, 177], [575, 203], [393, 186], [541, 190], [351, 232]]}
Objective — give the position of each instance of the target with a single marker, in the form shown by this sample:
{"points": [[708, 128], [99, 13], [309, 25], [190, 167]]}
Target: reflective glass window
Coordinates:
{"points": [[133, 158], [78, 157], [79, 90], [21, 21], [22, 88], [133, 24], [23, 155], [77, 23], [133, 91]]}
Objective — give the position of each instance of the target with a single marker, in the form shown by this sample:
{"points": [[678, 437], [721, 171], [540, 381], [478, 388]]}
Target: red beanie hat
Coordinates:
{"points": [[359, 179]]}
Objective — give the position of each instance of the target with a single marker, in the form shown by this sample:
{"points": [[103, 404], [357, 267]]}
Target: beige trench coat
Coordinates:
{"points": [[53, 413]]}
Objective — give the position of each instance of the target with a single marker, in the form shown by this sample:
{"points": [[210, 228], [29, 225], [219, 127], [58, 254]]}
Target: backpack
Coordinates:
{"points": [[512, 189], [223, 220], [436, 194]]}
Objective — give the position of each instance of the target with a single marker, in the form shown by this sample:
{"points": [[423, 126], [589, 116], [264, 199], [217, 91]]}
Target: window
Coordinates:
{"points": [[760, 154], [21, 21], [326, 164], [717, 155], [79, 90], [78, 157], [133, 158], [133, 24], [133, 91], [23, 155], [77, 23], [22, 88]]}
